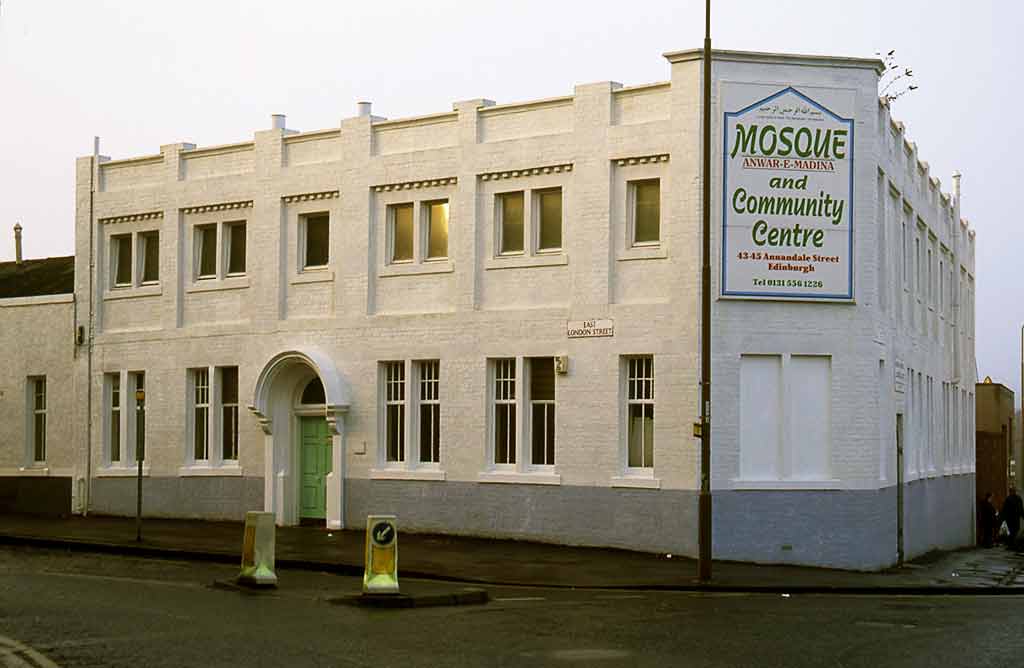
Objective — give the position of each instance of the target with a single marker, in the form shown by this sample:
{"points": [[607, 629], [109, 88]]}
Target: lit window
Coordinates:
{"points": [[549, 206], [316, 249], [150, 253], [640, 411], [437, 229], [236, 248], [646, 196], [401, 232], [510, 212]]}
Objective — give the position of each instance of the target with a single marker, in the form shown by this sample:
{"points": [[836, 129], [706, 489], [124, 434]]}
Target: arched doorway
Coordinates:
{"points": [[300, 400]]}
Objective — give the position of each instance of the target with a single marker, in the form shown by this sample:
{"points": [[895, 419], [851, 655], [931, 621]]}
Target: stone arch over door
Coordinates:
{"points": [[273, 401]]}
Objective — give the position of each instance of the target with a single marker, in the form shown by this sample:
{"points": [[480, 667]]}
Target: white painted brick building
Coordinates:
{"points": [[427, 270]]}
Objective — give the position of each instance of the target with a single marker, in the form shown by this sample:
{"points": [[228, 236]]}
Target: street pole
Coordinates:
{"points": [[704, 507], [140, 398]]}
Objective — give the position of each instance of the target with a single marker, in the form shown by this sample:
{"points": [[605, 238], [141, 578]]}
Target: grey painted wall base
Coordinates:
{"points": [[212, 498], [638, 519]]}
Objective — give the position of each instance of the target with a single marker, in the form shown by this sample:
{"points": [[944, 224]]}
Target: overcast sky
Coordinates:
{"points": [[142, 73]]}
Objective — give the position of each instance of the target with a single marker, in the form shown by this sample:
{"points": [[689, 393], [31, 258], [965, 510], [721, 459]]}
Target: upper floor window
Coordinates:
{"points": [[437, 229], [219, 250], [645, 211], [134, 258], [510, 223], [315, 240], [549, 207], [401, 227]]}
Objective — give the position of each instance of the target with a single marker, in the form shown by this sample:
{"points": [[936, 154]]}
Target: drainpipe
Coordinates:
{"points": [[17, 243], [93, 162]]}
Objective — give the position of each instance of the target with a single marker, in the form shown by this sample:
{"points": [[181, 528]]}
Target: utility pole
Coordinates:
{"points": [[704, 507]]}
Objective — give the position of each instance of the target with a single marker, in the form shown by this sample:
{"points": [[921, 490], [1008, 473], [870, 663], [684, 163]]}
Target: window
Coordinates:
{"points": [[37, 423], [640, 411], [139, 380], [114, 418], [316, 241], [121, 260], [549, 206], [401, 233], [437, 229], [430, 411], [229, 412], [235, 243], [410, 422], [206, 251], [200, 414], [646, 211], [150, 254], [542, 410], [505, 411], [394, 406], [510, 225], [523, 413]]}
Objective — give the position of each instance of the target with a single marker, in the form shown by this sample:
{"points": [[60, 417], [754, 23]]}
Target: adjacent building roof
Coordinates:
{"points": [[32, 278]]}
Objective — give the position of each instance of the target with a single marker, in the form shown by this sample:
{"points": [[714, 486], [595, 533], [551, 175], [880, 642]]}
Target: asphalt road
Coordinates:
{"points": [[100, 610]]}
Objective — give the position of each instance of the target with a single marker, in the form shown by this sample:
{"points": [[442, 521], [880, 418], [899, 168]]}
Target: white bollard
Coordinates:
{"points": [[258, 550]]}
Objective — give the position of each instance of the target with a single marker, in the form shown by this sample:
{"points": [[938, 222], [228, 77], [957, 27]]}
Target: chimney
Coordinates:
{"points": [[277, 121], [17, 243], [363, 108], [956, 186]]}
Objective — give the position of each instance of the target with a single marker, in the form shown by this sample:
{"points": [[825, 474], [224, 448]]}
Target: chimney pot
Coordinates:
{"points": [[363, 108], [277, 121], [17, 243]]}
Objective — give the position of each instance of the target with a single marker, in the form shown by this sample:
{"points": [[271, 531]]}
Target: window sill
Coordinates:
{"points": [[322, 275], [233, 470], [128, 292], [826, 484], [637, 481], [39, 470], [407, 474], [520, 477], [122, 471], [213, 284], [417, 269], [643, 253], [526, 261]]}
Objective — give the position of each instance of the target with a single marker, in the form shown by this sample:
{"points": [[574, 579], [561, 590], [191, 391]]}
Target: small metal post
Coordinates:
{"points": [[140, 398]]}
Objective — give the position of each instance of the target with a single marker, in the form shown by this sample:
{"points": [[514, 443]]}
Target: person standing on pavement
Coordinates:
{"points": [[986, 521], [1011, 513]]}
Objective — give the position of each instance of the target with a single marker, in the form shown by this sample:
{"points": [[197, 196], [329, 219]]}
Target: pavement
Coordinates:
{"points": [[482, 561]]}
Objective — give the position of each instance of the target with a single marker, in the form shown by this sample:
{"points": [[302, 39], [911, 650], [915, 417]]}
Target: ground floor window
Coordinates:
{"points": [[640, 411], [213, 415], [37, 423], [411, 412], [522, 412]]}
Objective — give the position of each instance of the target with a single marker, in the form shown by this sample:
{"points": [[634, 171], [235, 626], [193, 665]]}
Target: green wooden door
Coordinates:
{"points": [[316, 464]]}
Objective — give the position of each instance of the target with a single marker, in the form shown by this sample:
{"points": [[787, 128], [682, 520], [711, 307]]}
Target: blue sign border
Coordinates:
{"points": [[725, 210]]}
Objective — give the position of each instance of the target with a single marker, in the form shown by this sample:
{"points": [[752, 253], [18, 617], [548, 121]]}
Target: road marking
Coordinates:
{"points": [[13, 653], [616, 597], [118, 578], [521, 598]]}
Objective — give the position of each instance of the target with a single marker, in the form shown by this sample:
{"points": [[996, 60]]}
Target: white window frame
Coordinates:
{"points": [[303, 238], [522, 470], [546, 406], [127, 411], [631, 218], [632, 381], [215, 462], [392, 209], [33, 411], [221, 277], [407, 397], [228, 230], [395, 383], [427, 379], [530, 187], [424, 233], [114, 415], [537, 219], [228, 411], [141, 243]]}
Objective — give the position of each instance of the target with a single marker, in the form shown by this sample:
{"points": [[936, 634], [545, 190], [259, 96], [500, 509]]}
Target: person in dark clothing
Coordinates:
{"points": [[1012, 512], [986, 521]]}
